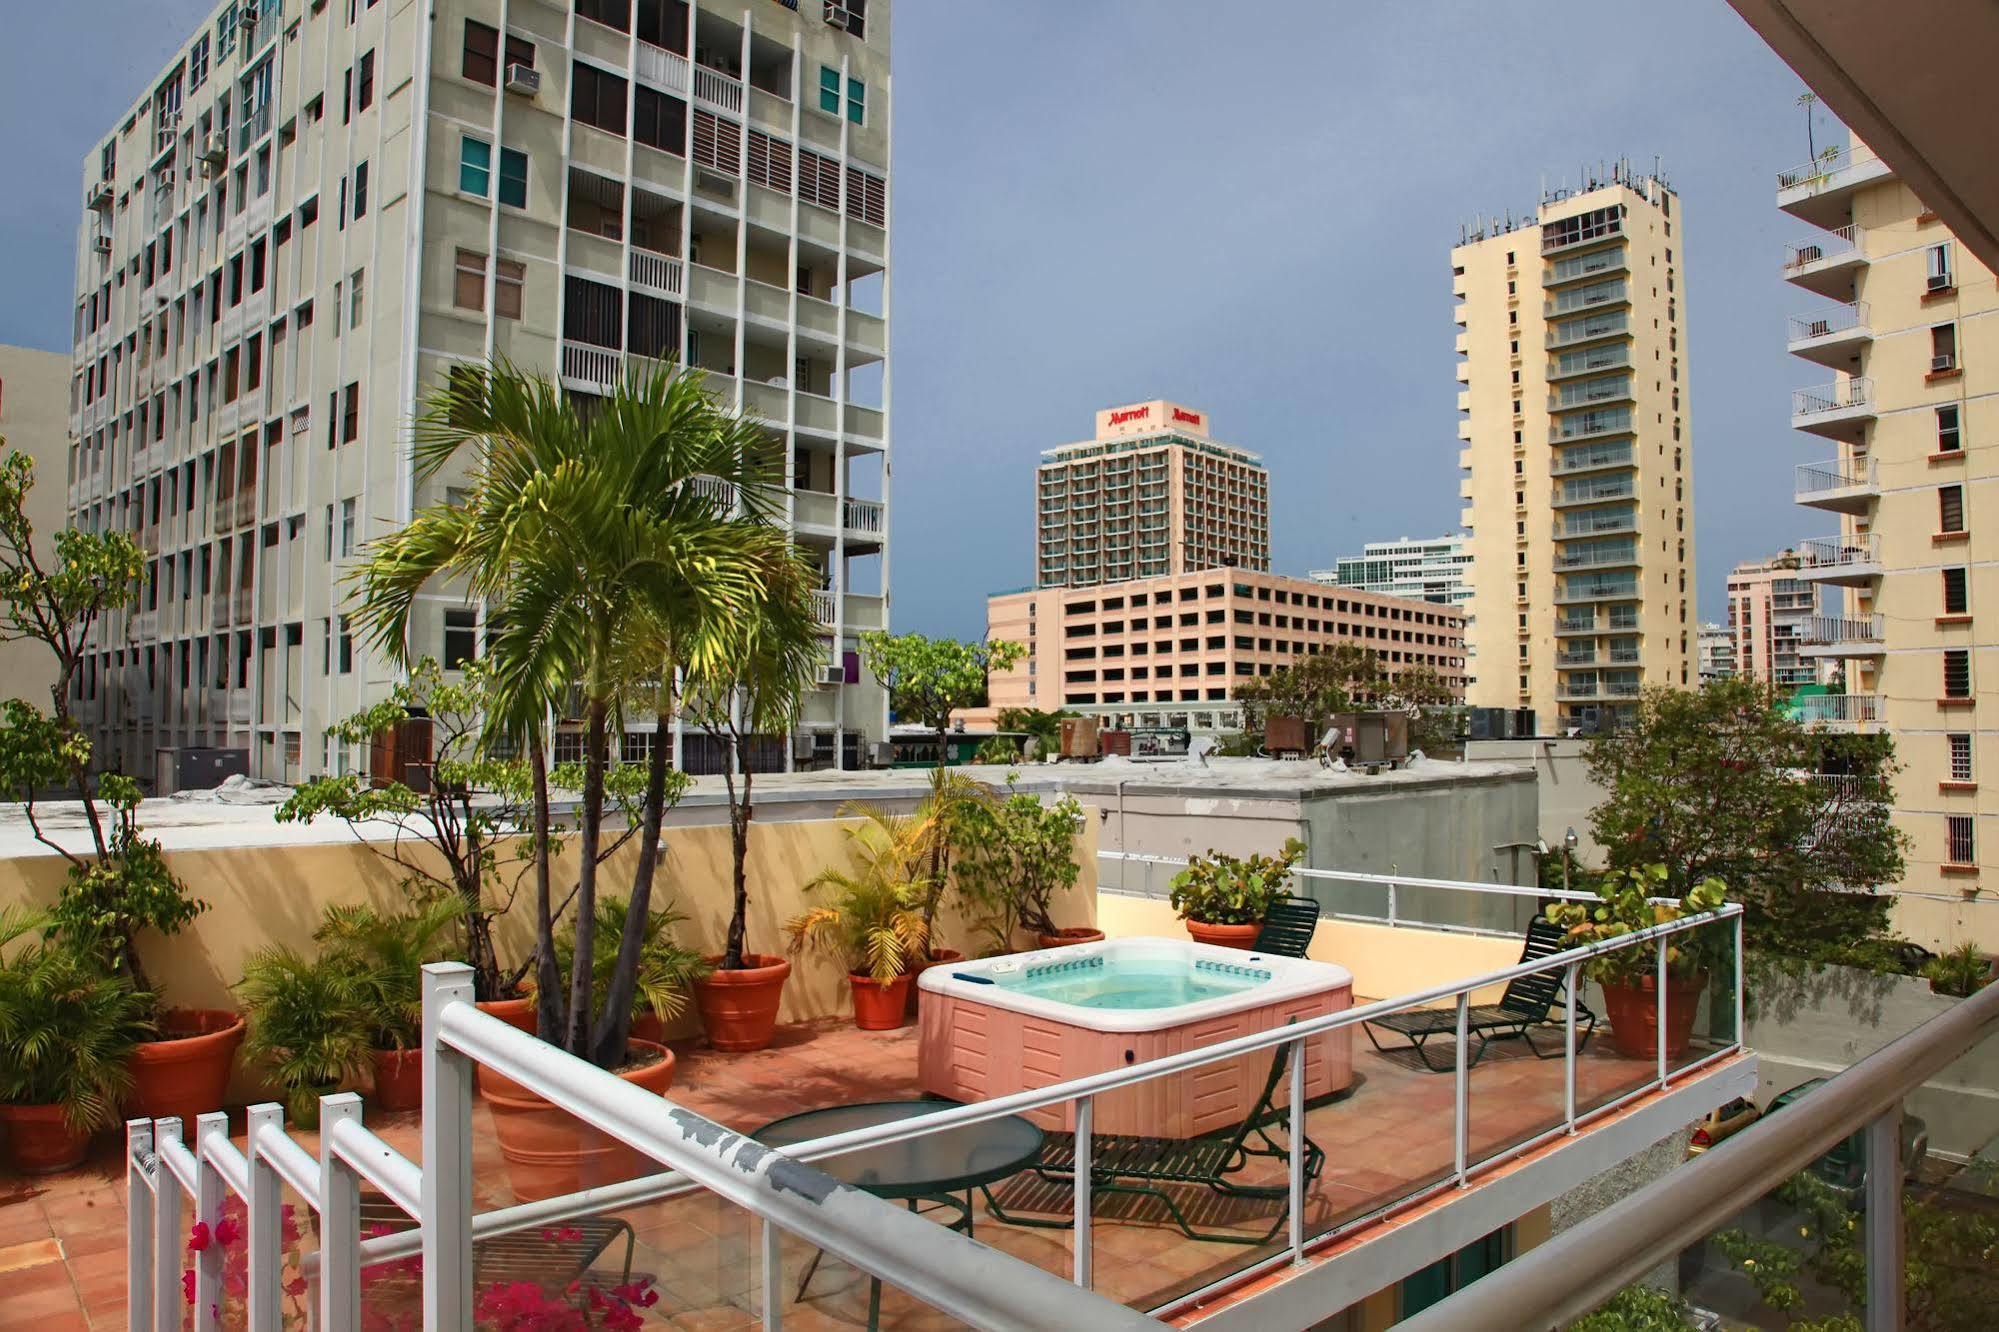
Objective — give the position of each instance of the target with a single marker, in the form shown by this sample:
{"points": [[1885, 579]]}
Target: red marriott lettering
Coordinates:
{"points": [[1130, 414], [1182, 414]]}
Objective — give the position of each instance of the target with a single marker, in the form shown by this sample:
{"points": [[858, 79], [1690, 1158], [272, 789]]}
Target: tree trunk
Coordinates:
{"points": [[615, 1024], [739, 854], [590, 830], [547, 977], [469, 876]]}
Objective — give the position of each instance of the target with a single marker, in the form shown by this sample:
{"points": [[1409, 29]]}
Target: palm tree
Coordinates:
{"points": [[876, 917], [616, 547]]}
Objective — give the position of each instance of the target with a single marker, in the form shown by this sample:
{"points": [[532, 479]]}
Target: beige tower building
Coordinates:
{"points": [[1772, 612], [34, 419], [1907, 322], [320, 208], [1577, 452], [1152, 494]]}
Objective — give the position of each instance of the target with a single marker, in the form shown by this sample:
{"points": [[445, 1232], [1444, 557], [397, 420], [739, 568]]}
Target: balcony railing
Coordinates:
{"points": [[662, 68], [1584, 460], [1830, 629], [712, 85], [825, 606], [662, 272], [599, 367], [1842, 318], [1836, 243], [859, 515], [1599, 523], [1839, 396], [1622, 553], [1826, 165], [1819, 478], [1838, 708], [1826, 553]]}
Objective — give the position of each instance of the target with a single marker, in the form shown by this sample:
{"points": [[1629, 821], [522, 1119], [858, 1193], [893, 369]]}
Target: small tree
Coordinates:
{"points": [[1044, 728], [1315, 687], [1019, 853], [928, 679], [1722, 782]]}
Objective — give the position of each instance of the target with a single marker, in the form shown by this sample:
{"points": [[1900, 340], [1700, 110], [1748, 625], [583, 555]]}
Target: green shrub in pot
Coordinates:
{"points": [[311, 1027], [1218, 889]]}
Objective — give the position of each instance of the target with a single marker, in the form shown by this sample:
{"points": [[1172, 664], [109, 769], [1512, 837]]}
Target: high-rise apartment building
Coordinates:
{"points": [[34, 419], [321, 208], [1427, 570], [1151, 494], [1170, 650], [1907, 321], [1771, 611], [1578, 451], [1716, 646]]}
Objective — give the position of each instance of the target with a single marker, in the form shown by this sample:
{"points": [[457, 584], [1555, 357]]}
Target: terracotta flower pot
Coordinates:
{"points": [[1633, 1013], [647, 1026], [1073, 934], [1226, 936], [398, 1080], [739, 1008], [879, 1005], [939, 957], [549, 1151], [40, 1141], [516, 1012], [186, 1072]]}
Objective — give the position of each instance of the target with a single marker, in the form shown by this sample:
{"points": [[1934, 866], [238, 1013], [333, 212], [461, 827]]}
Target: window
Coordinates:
{"points": [[1943, 349], [1961, 847], [1950, 508], [364, 83], [354, 298], [659, 121], [469, 285], [1957, 673], [829, 90], [481, 62], [197, 65], [461, 638], [857, 94], [350, 414], [1938, 261], [475, 166], [346, 646], [597, 97], [509, 282], [1949, 439], [360, 191], [513, 178], [1956, 595], [346, 528], [1960, 757]]}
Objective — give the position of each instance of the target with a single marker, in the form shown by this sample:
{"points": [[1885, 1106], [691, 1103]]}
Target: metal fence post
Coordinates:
{"points": [[339, 1221], [167, 1301], [1569, 985], [1883, 1188], [209, 1191], [773, 1276], [447, 1154], [139, 1159], [1741, 1014], [1461, 1132], [1086, 1118], [1659, 1017], [1297, 1161], [266, 1237]]}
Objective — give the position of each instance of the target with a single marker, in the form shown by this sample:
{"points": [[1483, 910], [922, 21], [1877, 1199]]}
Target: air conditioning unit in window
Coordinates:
{"points": [[101, 244], [523, 79], [837, 14], [1938, 364], [832, 675], [1939, 282], [215, 148], [99, 195]]}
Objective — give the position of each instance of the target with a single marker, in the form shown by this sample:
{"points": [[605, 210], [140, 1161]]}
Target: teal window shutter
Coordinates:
{"points": [[857, 95], [829, 90], [475, 165]]}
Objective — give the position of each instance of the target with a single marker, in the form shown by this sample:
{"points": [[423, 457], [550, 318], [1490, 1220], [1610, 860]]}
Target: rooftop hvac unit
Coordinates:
{"points": [[523, 79], [832, 675]]}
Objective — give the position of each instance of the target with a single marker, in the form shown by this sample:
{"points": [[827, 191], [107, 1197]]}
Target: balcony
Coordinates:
{"points": [[1596, 490], [1832, 338], [1848, 561], [590, 368], [1829, 265], [1840, 410], [1821, 192], [1589, 360], [1579, 657], [1576, 300], [1841, 486], [659, 272], [1594, 459], [1623, 554], [1577, 591], [1555, 242], [1608, 324], [1842, 636], [1581, 267], [1836, 710], [1597, 522]]}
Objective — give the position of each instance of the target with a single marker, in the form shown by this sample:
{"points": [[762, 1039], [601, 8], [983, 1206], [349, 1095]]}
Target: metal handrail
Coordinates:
{"points": [[1588, 1263]]}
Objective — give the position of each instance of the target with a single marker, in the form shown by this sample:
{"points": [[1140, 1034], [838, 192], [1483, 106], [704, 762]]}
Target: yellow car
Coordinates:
{"points": [[1723, 1123]]}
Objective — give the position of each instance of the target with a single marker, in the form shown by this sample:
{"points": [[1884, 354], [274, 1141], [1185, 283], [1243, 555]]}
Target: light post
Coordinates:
{"points": [[1569, 840]]}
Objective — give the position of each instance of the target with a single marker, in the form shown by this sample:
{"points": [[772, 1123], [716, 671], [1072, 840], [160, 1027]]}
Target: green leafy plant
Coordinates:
{"points": [[310, 1025], [666, 970], [1962, 972], [383, 955], [67, 1026], [875, 916], [1218, 889], [1626, 904], [1043, 729], [1018, 854], [997, 751], [1636, 1309], [928, 679]]}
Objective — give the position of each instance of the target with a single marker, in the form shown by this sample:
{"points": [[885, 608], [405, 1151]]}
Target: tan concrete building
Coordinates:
{"points": [[1772, 611], [1168, 651], [34, 419], [1907, 322], [1151, 494], [317, 210], [1577, 452]]}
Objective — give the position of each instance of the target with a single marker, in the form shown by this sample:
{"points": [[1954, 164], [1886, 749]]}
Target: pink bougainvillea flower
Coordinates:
{"points": [[187, 1286], [295, 1287], [227, 1231], [197, 1237]]}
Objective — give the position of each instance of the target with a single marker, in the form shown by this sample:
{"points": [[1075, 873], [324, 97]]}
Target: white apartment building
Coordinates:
{"points": [[1716, 644], [1420, 570], [319, 208], [1771, 612]]}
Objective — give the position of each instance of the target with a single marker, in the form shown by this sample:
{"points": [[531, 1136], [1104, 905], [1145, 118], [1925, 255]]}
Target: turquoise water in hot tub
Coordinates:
{"points": [[1133, 983]]}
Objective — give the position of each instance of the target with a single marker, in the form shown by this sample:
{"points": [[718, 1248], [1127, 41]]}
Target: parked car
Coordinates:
{"points": [[1845, 1166], [1724, 1122]]}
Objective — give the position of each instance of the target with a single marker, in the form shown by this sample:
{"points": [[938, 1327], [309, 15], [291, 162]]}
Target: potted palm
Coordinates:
{"points": [[667, 971], [67, 1028], [383, 956], [310, 1025], [618, 550], [1629, 976], [1224, 898], [874, 919], [1018, 855]]}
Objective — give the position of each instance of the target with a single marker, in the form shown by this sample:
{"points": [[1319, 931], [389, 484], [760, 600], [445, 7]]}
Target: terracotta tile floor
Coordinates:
{"points": [[62, 1239]]}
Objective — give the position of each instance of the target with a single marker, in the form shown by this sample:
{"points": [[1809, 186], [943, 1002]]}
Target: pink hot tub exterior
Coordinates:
{"points": [[980, 1041]]}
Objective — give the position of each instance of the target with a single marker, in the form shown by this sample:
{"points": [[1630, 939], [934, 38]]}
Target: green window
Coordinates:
{"points": [[513, 178], [829, 90], [475, 166], [857, 100]]}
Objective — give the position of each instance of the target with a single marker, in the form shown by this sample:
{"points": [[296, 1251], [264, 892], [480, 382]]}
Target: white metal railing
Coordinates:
{"points": [[950, 1272], [1842, 629], [1594, 557], [1841, 552], [1853, 786], [863, 516], [599, 367], [1817, 478], [712, 85], [1599, 522], [1582, 460], [1838, 396], [1837, 243], [1840, 708], [1827, 164], [661, 68], [825, 606], [1842, 318], [714, 488], [659, 271]]}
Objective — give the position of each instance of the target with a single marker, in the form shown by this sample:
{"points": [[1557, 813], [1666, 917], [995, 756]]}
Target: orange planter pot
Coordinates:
{"points": [[939, 957], [1227, 936], [1633, 1013], [880, 1005], [549, 1151], [186, 1072], [1074, 934], [398, 1080], [40, 1141], [739, 1008], [514, 1012]]}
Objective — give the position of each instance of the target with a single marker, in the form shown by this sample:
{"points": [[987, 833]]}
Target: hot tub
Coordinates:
{"points": [[1031, 1019]]}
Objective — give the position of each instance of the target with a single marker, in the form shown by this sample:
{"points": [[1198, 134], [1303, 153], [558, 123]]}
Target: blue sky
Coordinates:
{"points": [[1248, 208]]}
